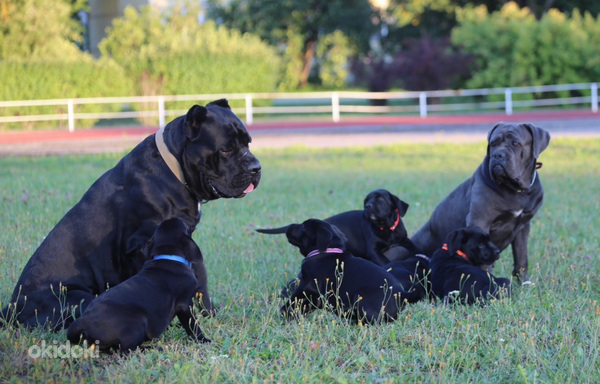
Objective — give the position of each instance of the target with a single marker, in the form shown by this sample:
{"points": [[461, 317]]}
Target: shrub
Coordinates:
{"points": [[56, 79], [176, 55], [512, 48]]}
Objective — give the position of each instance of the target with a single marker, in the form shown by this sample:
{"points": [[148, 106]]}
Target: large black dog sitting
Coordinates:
{"points": [[196, 158], [332, 277], [374, 233], [142, 307], [455, 269]]}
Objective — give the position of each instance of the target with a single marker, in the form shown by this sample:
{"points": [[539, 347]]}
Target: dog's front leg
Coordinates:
{"points": [[520, 256], [189, 323]]}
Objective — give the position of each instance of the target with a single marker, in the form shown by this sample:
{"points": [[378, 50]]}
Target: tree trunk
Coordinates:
{"points": [[309, 54]]}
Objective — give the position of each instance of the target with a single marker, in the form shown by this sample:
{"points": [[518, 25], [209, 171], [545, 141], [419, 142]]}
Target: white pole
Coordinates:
{"points": [[594, 97], [508, 106], [161, 112], [335, 107], [249, 116], [71, 115], [423, 104]]}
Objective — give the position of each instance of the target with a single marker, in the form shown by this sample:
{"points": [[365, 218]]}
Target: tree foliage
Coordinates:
{"points": [[31, 29], [174, 54], [512, 48], [298, 27]]}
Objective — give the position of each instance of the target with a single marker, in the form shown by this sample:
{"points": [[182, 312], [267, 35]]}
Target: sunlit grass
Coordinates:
{"points": [[548, 332]]}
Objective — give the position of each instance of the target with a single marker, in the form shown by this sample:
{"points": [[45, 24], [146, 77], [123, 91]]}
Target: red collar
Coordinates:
{"points": [[395, 225], [459, 252]]}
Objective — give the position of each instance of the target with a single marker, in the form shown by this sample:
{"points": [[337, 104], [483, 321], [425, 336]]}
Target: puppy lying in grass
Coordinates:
{"points": [[332, 278], [455, 268], [142, 307], [413, 275]]}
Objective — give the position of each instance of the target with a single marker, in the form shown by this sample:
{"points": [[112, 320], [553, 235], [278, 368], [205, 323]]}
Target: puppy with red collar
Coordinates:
{"points": [[332, 278], [455, 269]]}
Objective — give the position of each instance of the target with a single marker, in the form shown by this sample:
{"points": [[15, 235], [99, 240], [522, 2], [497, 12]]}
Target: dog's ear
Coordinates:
{"points": [[401, 205], [455, 240], [194, 119], [540, 139], [196, 115], [220, 103], [338, 239], [323, 238], [489, 136]]}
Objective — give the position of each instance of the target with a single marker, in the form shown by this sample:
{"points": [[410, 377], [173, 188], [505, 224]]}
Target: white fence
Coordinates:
{"points": [[334, 104]]}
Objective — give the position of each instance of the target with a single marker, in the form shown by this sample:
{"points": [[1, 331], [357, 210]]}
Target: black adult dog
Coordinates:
{"points": [[501, 197], [142, 307], [375, 233], [413, 275], [196, 158], [455, 269], [331, 277]]}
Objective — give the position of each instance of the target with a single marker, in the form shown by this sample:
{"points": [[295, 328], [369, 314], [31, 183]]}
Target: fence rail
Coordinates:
{"points": [[334, 104]]}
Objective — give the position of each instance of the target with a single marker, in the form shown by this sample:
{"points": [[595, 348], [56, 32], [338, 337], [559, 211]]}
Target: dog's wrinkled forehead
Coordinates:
{"points": [[506, 131], [234, 133]]}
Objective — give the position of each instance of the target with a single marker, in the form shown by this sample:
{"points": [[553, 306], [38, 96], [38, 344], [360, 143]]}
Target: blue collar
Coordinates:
{"points": [[179, 259]]}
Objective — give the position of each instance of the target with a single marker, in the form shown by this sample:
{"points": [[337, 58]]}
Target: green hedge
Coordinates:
{"points": [[40, 80], [512, 48]]}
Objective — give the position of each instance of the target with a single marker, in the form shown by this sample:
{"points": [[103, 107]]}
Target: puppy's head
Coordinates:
{"points": [[383, 209], [473, 242], [172, 237], [314, 234]]}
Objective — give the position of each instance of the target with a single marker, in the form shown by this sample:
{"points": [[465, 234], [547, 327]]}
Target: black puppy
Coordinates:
{"points": [[376, 232], [332, 277], [455, 268], [142, 307], [413, 274]]}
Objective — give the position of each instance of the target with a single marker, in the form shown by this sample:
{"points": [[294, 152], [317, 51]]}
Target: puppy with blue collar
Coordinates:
{"points": [[142, 307]]}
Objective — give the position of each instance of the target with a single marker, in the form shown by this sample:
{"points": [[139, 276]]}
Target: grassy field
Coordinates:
{"points": [[548, 332]]}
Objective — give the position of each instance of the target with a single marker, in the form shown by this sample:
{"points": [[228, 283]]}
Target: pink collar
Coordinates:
{"points": [[328, 250]]}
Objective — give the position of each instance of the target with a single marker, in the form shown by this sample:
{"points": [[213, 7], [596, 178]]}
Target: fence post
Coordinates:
{"points": [[508, 105], [161, 111], [249, 116], [335, 107], [71, 115], [594, 87], [423, 104]]}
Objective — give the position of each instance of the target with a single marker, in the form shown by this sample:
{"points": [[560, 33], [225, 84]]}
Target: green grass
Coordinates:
{"points": [[546, 333]]}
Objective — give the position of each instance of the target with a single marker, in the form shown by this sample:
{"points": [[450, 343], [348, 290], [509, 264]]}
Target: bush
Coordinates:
{"points": [[175, 55], [512, 48], [55, 79]]}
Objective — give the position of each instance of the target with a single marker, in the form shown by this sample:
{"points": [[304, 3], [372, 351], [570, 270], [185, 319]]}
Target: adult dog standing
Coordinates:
{"points": [[196, 158], [501, 197]]}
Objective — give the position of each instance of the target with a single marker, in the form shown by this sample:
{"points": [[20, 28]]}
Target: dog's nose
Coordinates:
{"points": [[254, 167]]}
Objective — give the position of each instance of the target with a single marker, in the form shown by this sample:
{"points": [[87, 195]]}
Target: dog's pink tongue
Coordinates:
{"points": [[249, 189]]}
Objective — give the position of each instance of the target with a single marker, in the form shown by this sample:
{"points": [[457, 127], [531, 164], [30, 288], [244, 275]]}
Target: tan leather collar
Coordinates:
{"points": [[167, 156]]}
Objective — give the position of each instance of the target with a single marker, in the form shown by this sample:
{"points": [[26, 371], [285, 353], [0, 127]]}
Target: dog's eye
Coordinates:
{"points": [[225, 151], [516, 144]]}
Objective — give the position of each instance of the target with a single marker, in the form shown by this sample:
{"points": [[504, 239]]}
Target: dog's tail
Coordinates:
{"points": [[272, 231]]}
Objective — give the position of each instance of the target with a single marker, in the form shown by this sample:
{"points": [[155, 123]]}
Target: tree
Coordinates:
{"points": [[512, 48], [298, 26], [175, 54], [30, 29]]}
